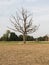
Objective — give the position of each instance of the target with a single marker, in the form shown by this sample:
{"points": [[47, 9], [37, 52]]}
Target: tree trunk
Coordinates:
{"points": [[24, 38]]}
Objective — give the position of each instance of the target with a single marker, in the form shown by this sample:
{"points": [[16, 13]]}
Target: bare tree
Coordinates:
{"points": [[23, 23]]}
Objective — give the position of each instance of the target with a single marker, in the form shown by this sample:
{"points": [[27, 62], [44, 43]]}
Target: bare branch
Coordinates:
{"points": [[17, 15], [31, 30], [15, 29], [29, 24], [17, 24]]}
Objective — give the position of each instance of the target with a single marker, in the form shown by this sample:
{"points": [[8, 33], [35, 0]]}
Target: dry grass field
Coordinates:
{"points": [[24, 54]]}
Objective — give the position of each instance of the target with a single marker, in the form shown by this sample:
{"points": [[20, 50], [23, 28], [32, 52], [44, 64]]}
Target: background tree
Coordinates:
{"points": [[23, 23], [6, 36], [40, 38], [20, 37], [13, 37], [46, 38], [30, 38]]}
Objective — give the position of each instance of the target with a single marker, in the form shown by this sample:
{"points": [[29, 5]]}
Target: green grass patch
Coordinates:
{"points": [[21, 42]]}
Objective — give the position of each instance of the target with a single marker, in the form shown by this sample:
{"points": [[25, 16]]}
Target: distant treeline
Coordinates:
{"points": [[11, 36]]}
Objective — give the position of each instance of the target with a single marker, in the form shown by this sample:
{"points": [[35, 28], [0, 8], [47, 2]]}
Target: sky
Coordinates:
{"points": [[39, 8]]}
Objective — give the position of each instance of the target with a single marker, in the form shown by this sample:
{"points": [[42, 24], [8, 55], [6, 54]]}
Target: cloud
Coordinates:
{"points": [[3, 0], [31, 0], [6, 2]]}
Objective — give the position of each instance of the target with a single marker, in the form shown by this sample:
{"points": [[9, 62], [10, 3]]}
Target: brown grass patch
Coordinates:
{"points": [[35, 54]]}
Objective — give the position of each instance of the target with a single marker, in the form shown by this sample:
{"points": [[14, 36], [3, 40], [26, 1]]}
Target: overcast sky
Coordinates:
{"points": [[39, 8]]}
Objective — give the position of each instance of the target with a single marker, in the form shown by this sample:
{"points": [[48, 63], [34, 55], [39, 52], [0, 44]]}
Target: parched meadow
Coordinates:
{"points": [[18, 53]]}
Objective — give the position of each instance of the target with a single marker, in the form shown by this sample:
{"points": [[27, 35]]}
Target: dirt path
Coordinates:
{"points": [[35, 54]]}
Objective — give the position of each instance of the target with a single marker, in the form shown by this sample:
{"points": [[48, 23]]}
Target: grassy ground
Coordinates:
{"points": [[20, 42], [12, 53]]}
